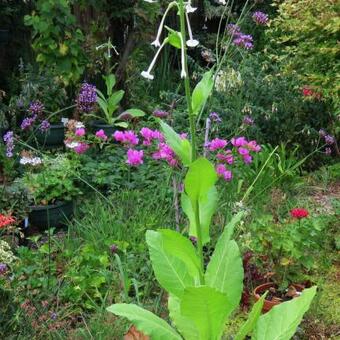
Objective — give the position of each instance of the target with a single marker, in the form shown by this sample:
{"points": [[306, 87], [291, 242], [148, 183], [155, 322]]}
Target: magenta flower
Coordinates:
{"points": [[80, 132], [247, 159], [253, 146], [216, 144], [135, 157], [165, 152], [222, 171], [148, 135], [240, 141], [118, 136], [127, 137], [243, 151], [227, 157], [101, 134], [81, 148]]}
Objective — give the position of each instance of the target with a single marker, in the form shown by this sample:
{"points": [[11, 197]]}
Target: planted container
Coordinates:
{"points": [[53, 215], [53, 137], [108, 129], [269, 304]]}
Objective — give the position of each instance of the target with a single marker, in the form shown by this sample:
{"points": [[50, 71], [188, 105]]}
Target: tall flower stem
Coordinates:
{"points": [[193, 134], [187, 82]]}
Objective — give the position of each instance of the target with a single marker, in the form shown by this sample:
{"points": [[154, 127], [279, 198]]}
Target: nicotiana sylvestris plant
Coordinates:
{"points": [[201, 299]]}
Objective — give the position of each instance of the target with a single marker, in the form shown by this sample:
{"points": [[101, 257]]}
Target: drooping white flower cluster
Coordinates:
{"points": [[34, 161], [191, 42]]}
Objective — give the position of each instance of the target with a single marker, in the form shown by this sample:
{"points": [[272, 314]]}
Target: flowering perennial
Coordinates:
{"points": [[135, 157], [6, 220], [9, 141], [299, 213], [260, 18], [36, 108], [240, 39], [87, 98], [126, 137]]}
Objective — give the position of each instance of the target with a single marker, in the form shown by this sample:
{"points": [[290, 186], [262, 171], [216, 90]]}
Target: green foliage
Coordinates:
{"points": [[56, 180], [56, 39], [307, 37], [282, 321], [201, 92]]}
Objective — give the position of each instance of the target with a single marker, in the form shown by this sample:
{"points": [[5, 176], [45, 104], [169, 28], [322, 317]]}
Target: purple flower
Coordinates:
{"points": [[247, 159], [215, 117], [234, 30], [165, 152], [87, 98], [45, 125], [9, 141], [135, 157], [239, 141], [260, 18], [54, 316], [322, 133], [240, 39], [126, 137], [160, 113], [36, 108], [247, 120], [28, 122], [222, 171], [329, 139], [3, 268], [328, 151], [80, 132]]}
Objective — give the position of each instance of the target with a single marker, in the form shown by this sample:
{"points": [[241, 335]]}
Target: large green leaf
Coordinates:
{"points": [[114, 100], [281, 322], [145, 321], [200, 178], [181, 147], [133, 113], [172, 273], [249, 325], [207, 208], [202, 91], [110, 81], [184, 325], [225, 269], [207, 308], [181, 247]]}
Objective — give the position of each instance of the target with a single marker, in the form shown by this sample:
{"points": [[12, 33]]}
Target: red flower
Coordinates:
{"points": [[6, 220], [307, 92], [299, 213]]}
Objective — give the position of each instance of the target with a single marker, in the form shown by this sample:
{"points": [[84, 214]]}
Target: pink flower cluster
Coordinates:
{"points": [[126, 137], [101, 135], [135, 157], [150, 135], [239, 147]]}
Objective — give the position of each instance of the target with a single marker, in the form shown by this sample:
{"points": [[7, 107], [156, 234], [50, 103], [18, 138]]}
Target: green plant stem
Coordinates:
{"points": [[199, 242], [187, 82]]}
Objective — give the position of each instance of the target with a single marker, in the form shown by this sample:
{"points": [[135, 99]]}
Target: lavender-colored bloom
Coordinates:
{"points": [[28, 122], [329, 139], [54, 316], [247, 120], [244, 40], [160, 113], [3, 268], [9, 141], [260, 18], [36, 108], [322, 133], [233, 30], [328, 151], [87, 98], [215, 117], [45, 125]]}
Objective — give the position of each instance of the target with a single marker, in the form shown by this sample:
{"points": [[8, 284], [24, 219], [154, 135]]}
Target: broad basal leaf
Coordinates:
{"points": [[184, 325], [182, 248], [200, 178], [249, 325], [145, 321], [225, 269], [207, 208], [201, 92], [133, 113], [281, 322], [207, 309], [181, 147], [172, 273]]}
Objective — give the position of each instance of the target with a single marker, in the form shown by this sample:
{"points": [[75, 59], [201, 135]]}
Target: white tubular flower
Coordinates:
{"points": [[189, 8], [147, 74], [183, 72], [156, 42], [191, 42], [222, 2], [150, 1]]}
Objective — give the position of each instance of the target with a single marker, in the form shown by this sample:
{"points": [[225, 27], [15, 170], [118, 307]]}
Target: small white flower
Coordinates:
{"points": [[64, 120], [30, 160], [79, 125], [192, 42], [71, 145], [183, 71], [156, 43], [147, 75], [183, 74], [189, 8], [150, 1], [222, 2]]}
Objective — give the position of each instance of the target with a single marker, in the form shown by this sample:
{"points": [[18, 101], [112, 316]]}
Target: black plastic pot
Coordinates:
{"points": [[108, 129], [54, 215], [4, 36], [54, 136]]}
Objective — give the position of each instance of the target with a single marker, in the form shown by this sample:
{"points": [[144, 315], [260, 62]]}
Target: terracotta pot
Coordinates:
{"points": [[268, 304]]}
